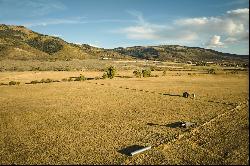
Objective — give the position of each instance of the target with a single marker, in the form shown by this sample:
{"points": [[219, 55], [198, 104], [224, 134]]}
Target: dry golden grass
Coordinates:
{"points": [[89, 122]]}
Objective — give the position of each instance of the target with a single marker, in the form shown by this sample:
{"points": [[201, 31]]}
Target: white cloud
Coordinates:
{"points": [[239, 11], [149, 31], [192, 21], [231, 40], [234, 23], [215, 42], [228, 28]]}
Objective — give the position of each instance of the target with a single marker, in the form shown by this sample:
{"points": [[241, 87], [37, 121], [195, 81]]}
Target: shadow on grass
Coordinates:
{"points": [[167, 94], [124, 76], [128, 150], [170, 125]]}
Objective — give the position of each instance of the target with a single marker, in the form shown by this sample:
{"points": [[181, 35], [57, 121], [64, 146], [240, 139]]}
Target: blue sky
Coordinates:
{"points": [[221, 25]]}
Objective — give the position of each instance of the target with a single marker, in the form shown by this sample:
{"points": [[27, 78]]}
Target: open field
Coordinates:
{"points": [[90, 122]]}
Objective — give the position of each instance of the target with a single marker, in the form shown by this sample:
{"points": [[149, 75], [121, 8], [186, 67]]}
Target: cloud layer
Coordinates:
{"points": [[217, 31]]}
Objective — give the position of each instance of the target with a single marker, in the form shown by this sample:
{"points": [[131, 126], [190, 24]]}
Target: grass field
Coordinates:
{"points": [[89, 122]]}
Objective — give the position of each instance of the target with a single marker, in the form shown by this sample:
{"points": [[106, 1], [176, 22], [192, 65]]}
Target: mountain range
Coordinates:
{"points": [[21, 43]]}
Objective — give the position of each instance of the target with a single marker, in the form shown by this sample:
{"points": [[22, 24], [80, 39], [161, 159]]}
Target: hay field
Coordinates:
{"points": [[89, 122]]}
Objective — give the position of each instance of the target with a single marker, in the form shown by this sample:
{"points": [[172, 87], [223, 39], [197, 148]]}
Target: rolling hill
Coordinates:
{"points": [[18, 42], [180, 53]]}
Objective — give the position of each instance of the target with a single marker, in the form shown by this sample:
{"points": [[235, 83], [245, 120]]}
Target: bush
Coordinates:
{"points": [[48, 80], [104, 76], [80, 78], [235, 72], [211, 71], [70, 79], [2, 83], [146, 73], [97, 78], [64, 79], [111, 72], [137, 73], [14, 83], [152, 68], [164, 73], [34, 82]]}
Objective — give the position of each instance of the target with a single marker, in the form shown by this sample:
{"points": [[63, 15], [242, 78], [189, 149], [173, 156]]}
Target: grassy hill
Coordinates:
{"points": [[18, 42]]}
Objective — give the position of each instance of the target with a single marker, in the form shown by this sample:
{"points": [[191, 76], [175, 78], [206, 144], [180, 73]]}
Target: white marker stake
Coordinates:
{"points": [[140, 150]]}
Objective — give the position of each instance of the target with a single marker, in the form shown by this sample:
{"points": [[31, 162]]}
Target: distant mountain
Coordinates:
{"points": [[180, 53], [18, 42]]}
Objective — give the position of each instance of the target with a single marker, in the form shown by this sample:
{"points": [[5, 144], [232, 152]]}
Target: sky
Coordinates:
{"points": [[222, 25]]}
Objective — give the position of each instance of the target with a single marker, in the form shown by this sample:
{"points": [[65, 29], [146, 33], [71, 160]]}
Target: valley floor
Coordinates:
{"points": [[90, 122]]}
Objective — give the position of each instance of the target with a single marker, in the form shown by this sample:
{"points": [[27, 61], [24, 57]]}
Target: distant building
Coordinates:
{"points": [[105, 58]]}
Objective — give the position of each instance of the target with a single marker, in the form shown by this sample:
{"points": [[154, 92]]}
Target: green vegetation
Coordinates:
{"points": [[143, 73], [164, 73], [14, 83], [111, 71], [146, 73], [34, 82], [211, 71], [137, 73], [20, 43], [49, 46], [97, 78], [104, 76], [48, 80], [3, 83], [80, 78], [64, 79]]}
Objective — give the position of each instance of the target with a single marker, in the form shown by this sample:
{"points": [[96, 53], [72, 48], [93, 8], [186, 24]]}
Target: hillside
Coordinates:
{"points": [[18, 42], [180, 53]]}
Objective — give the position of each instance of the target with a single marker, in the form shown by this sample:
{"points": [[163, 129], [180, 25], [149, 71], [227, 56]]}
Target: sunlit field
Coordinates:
{"points": [[90, 122]]}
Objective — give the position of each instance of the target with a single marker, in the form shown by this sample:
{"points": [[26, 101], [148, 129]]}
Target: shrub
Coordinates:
{"points": [[14, 83], [80, 78], [137, 73], [235, 72], [164, 73], [64, 79], [104, 76], [70, 79], [111, 72], [48, 80], [146, 73], [34, 82], [97, 78], [211, 71], [3, 84], [152, 68]]}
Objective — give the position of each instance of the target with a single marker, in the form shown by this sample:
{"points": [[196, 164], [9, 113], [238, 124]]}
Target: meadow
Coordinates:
{"points": [[92, 121]]}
